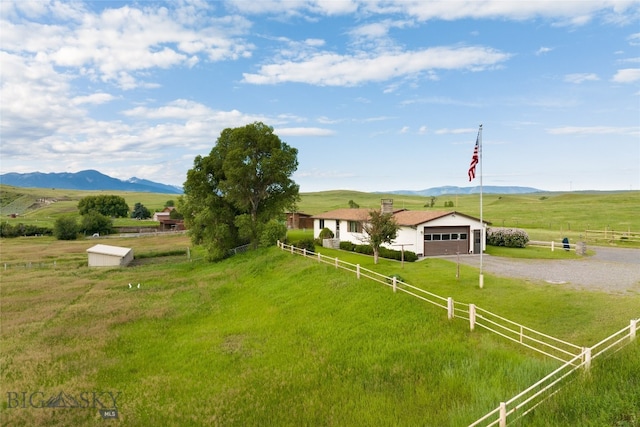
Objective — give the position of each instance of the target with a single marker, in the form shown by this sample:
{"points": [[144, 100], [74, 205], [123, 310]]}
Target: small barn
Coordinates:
{"points": [[109, 256]]}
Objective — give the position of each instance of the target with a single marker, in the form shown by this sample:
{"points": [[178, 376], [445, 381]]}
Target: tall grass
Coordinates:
{"points": [[268, 338]]}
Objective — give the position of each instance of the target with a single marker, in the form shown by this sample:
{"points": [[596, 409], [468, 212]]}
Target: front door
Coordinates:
{"points": [[337, 228], [477, 245]]}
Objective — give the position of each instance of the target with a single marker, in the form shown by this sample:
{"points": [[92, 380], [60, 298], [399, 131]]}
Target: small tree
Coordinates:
{"points": [[66, 228], [140, 211], [381, 228], [353, 205], [95, 222]]}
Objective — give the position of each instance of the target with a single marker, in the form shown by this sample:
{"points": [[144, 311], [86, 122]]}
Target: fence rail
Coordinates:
{"points": [[612, 235], [573, 357]]}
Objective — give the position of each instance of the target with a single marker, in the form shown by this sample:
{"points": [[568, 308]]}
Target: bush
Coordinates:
{"points": [[272, 232], [384, 252], [347, 246], [325, 233], [66, 228], [307, 244], [507, 237], [94, 222], [8, 230]]}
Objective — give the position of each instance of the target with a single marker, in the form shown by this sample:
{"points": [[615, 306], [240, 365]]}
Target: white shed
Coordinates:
{"points": [[109, 256]]}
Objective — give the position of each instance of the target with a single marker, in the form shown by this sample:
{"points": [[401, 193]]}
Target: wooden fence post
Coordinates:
{"points": [[319, 257], [358, 271], [503, 414], [552, 245], [304, 252], [472, 316], [336, 262], [292, 249], [395, 283], [632, 327], [450, 313]]}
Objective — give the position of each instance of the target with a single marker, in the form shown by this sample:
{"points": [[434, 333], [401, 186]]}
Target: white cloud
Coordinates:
{"points": [[627, 75], [543, 50], [303, 131], [580, 77], [118, 44], [332, 69]]}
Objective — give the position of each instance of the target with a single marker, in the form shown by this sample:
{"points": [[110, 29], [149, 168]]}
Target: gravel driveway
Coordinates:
{"points": [[611, 270]]}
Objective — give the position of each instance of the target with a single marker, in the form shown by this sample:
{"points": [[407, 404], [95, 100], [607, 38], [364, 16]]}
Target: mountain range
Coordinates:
{"points": [[489, 189], [85, 180], [94, 180]]}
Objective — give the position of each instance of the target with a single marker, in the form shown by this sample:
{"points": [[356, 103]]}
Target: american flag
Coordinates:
{"points": [[474, 162]]}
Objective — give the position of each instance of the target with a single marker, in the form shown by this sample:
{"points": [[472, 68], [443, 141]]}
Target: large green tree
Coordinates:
{"points": [[105, 204], [380, 228], [243, 184]]}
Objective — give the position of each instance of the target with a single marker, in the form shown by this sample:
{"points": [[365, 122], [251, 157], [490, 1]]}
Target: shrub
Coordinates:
{"points": [[94, 222], [325, 233], [66, 228], [272, 232], [507, 237], [347, 246], [307, 244]]}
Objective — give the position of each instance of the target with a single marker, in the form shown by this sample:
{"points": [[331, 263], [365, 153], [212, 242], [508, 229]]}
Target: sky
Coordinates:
{"points": [[379, 95]]}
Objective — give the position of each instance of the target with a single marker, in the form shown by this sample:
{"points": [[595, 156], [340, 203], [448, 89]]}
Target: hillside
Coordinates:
{"points": [[274, 348]]}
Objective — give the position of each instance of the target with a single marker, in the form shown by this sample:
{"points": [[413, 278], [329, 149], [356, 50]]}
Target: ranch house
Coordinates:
{"points": [[427, 233]]}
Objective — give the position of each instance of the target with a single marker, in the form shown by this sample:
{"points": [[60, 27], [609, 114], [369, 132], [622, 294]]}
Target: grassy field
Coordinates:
{"points": [[267, 338]]}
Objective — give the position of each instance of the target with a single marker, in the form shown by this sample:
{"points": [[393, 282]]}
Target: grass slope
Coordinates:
{"points": [[268, 338], [239, 344]]}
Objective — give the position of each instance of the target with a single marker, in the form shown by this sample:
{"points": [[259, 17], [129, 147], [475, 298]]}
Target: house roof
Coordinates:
{"points": [[347, 214], [109, 250], [402, 216]]}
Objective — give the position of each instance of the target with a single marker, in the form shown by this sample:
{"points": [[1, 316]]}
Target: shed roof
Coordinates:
{"points": [[109, 250]]}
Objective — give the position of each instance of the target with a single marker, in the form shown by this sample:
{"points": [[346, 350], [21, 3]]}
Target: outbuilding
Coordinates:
{"points": [[109, 256]]}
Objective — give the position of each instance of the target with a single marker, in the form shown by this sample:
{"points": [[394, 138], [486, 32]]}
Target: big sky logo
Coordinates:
{"points": [[105, 401]]}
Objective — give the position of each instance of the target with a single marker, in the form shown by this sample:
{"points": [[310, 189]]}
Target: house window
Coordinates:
{"points": [[354, 227], [436, 237], [463, 236], [321, 224], [454, 236], [427, 237]]}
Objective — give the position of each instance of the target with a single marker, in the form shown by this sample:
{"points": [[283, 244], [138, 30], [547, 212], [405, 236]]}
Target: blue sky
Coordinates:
{"points": [[375, 95]]}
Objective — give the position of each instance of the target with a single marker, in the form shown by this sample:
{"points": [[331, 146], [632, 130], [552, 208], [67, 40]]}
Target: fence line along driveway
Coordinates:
{"points": [[613, 270]]}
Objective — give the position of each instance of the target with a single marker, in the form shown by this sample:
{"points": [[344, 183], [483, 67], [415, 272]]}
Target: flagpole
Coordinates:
{"points": [[482, 231]]}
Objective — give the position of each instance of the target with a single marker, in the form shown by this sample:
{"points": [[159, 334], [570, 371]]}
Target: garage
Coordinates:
{"points": [[446, 240]]}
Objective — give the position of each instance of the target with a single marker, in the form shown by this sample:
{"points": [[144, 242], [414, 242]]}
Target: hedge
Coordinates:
{"points": [[507, 237]]}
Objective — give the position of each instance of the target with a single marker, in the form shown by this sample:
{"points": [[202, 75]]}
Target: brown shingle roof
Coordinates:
{"points": [[418, 217], [347, 214]]}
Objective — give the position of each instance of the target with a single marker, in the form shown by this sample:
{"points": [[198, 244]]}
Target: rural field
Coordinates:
{"points": [[271, 338]]}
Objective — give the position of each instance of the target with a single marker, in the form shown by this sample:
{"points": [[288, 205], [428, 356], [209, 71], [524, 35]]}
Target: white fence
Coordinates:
{"points": [[573, 357]]}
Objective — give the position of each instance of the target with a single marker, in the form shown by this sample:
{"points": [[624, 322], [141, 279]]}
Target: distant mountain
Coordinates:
{"points": [[85, 180], [489, 189]]}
